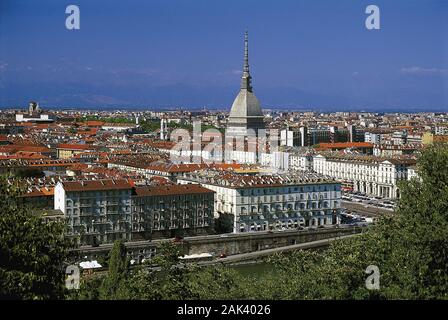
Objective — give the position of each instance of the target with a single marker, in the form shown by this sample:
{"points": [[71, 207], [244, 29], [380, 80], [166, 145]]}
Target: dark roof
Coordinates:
{"points": [[98, 185]]}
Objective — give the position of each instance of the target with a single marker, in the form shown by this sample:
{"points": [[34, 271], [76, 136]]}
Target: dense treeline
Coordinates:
{"points": [[151, 126], [32, 252], [107, 119], [409, 247]]}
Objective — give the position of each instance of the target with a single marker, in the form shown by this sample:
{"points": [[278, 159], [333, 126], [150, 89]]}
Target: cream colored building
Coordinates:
{"points": [[272, 202], [368, 174]]}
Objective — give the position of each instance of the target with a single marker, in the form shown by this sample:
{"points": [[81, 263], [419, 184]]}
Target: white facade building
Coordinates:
{"points": [[367, 174], [372, 137], [103, 211], [272, 202], [34, 118], [301, 161], [412, 173], [441, 130], [96, 211]]}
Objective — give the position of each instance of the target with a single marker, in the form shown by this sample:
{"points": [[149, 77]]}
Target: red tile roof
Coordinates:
{"points": [[176, 189], [175, 168], [343, 145], [24, 155], [13, 148], [439, 138], [94, 123], [69, 146], [98, 185], [42, 192]]}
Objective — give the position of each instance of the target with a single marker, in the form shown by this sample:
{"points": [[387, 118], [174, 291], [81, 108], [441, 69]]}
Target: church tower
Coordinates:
{"points": [[246, 112]]}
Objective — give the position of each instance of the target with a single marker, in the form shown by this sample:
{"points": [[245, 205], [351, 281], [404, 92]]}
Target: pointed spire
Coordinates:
{"points": [[246, 78], [246, 53]]}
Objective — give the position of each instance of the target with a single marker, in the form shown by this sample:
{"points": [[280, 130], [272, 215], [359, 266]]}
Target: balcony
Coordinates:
{"points": [[85, 214], [102, 223], [86, 205], [95, 232], [114, 231]]}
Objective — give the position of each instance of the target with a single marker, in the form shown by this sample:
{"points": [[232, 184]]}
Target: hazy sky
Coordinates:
{"points": [[309, 54]]}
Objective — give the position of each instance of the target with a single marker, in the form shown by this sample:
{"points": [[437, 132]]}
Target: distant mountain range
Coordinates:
{"points": [[181, 96]]}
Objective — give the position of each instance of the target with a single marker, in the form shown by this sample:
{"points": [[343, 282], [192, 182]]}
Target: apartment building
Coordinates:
{"points": [[309, 136], [391, 150], [96, 211], [271, 202], [441, 130], [368, 174], [163, 211], [301, 161], [103, 211], [68, 150]]}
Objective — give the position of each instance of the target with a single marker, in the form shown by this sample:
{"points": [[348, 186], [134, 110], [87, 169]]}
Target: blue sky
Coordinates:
{"points": [[188, 53]]}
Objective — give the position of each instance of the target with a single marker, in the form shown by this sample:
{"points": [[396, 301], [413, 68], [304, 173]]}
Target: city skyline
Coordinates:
{"points": [[304, 55], [127, 173]]}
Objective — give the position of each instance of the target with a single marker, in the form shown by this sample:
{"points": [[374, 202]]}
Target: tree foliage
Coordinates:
{"points": [[32, 252], [409, 246], [224, 223], [118, 268]]}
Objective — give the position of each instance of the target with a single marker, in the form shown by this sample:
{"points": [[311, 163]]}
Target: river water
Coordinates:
{"points": [[255, 269]]}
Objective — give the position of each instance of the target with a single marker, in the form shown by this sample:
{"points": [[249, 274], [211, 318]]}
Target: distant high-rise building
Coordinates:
{"points": [[163, 129], [34, 114], [246, 112], [33, 108]]}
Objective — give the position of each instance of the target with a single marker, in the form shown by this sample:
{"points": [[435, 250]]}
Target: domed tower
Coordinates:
{"points": [[246, 112]]}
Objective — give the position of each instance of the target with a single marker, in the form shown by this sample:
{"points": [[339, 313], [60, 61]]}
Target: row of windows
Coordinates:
{"points": [[257, 191], [111, 193], [158, 206], [281, 209], [94, 211], [290, 197], [184, 225]]}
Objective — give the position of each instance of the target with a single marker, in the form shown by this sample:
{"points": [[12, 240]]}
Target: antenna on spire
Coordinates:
{"points": [[246, 78], [246, 53]]}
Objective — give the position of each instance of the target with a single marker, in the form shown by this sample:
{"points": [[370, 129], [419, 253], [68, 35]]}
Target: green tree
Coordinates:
{"points": [[89, 289], [150, 125], [32, 252], [409, 247], [169, 280], [117, 273], [224, 223], [422, 229], [217, 283], [171, 277]]}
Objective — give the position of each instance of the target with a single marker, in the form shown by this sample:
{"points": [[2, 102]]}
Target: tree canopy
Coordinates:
{"points": [[32, 252], [409, 247]]}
